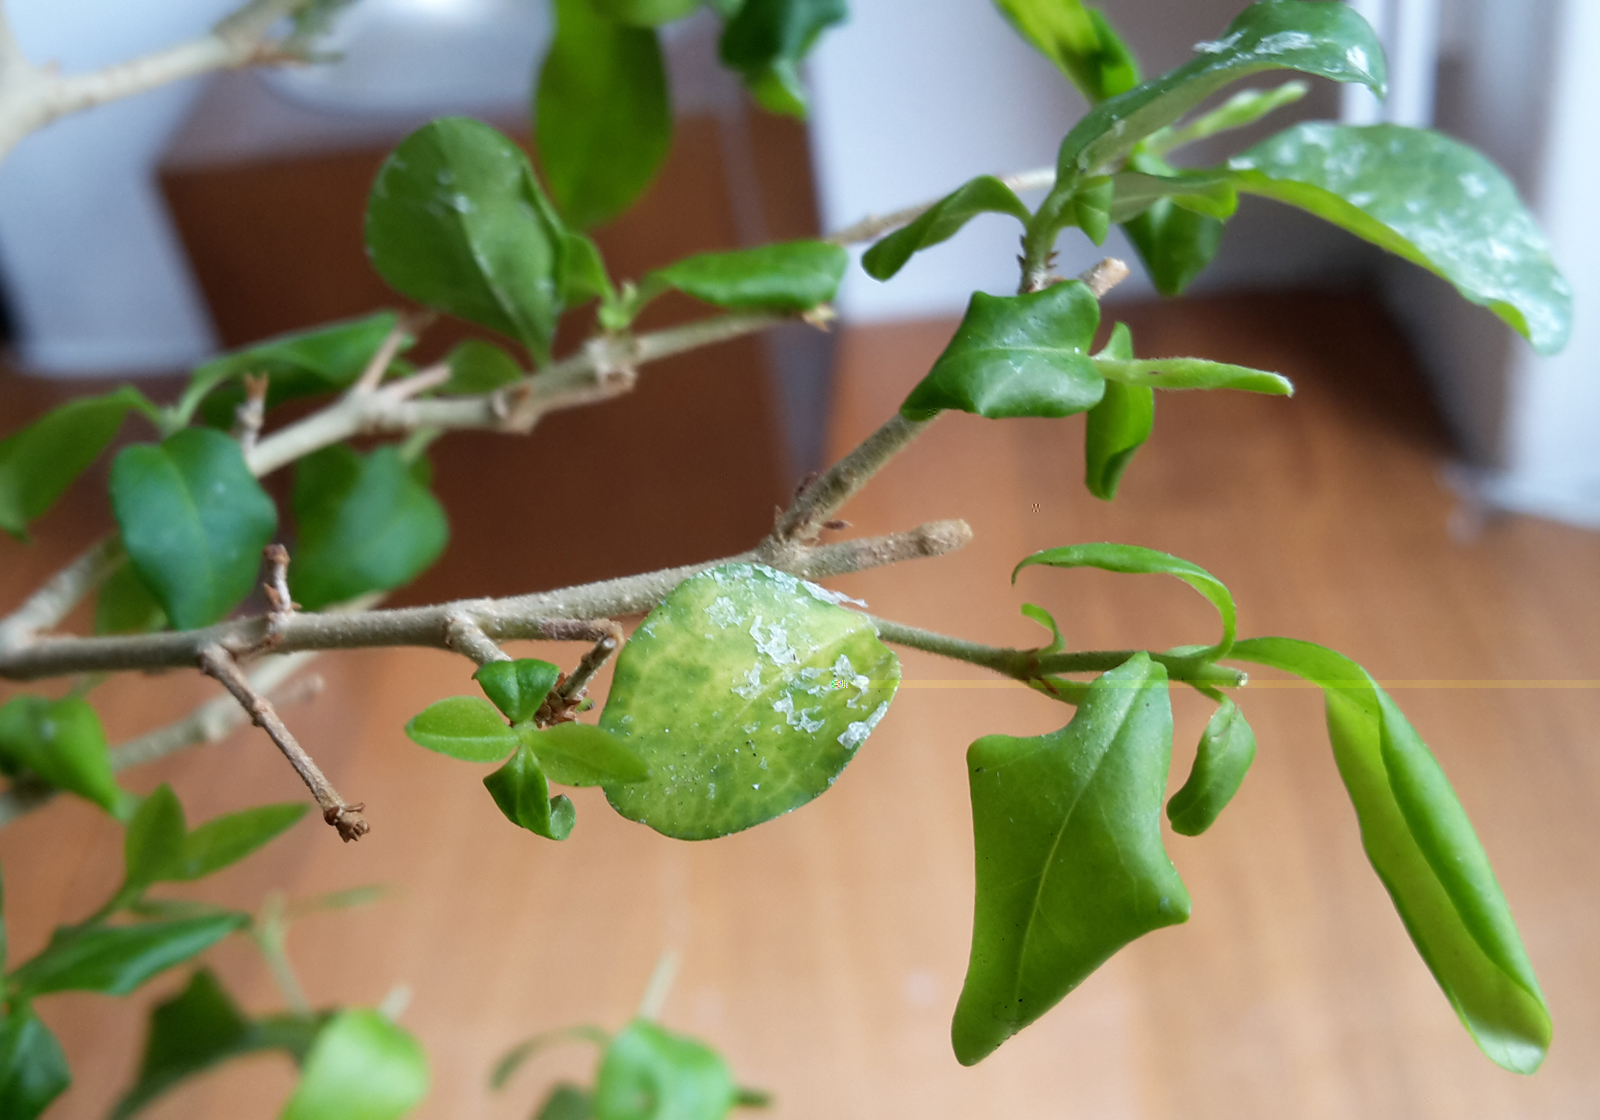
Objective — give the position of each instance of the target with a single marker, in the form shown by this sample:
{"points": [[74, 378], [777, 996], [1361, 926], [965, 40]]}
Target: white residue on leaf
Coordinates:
{"points": [[845, 675], [711, 790], [774, 643], [723, 613], [751, 728], [808, 720], [1218, 46], [1283, 41], [752, 684], [823, 595], [1357, 58], [856, 734], [1473, 184], [755, 785]]}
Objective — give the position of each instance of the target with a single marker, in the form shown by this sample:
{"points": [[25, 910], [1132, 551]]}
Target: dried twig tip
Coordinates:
{"points": [[348, 820]]}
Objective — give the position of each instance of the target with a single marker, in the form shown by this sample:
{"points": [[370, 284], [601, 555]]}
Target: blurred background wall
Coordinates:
{"points": [[911, 97]]}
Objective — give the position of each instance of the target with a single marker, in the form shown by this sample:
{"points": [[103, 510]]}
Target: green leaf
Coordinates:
{"points": [[457, 221], [1136, 191], [1118, 425], [567, 1102], [194, 521], [520, 790], [1425, 197], [765, 41], [1070, 867], [365, 524], [583, 272], [787, 276], [580, 754], [477, 366], [114, 960], [1174, 243], [650, 1073], [39, 462], [153, 844], [517, 687], [1327, 40], [125, 606], [646, 13], [304, 363], [1227, 748], [463, 727], [193, 1031], [1192, 373], [1423, 848], [1079, 41], [1090, 207], [225, 840], [746, 692], [63, 743], [1134, 560], [942, 221], [1021, 355], [361, 1067], [513, 1059], [602, 114], [33, 1070], [1047, 620], [1241, 110]]}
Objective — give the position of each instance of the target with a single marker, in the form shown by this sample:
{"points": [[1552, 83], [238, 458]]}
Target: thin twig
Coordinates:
{"points": [[874, 226], [566, 699], [467, 638], [1104, 276], [249, 414], [277, 590], [820, 500], [217, 662], [378, 364], [47, 607]]}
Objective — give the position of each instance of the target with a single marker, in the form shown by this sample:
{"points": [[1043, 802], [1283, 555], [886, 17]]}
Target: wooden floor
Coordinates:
{"points": [[823, 952]]}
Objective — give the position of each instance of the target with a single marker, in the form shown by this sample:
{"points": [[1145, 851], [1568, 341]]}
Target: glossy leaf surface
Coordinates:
{"points": [[1079, 41], [40, 461], [580, 754], [194, 521], [1239, 111], [1024, 355], [62, 742], [33, 1070], [477, 366], [361, 1067], [1070, 866], [303, 363], [158, 845], [1174, 243], [765, 41], [517, 687], [521, 791], [787, 276], [746, 692], [1327, 40], [457, 221], [463, 727], [365, 524], [1227, 748], [942, 221], [602, 113], [1134, 560], [114, 960], [124, 604], [1118, 425], [651, 1073], [1427, 198], [1423, 848], [1192, 373]]}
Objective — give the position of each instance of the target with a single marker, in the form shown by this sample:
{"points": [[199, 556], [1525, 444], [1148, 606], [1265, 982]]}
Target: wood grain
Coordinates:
{"points": [[823, 952]]}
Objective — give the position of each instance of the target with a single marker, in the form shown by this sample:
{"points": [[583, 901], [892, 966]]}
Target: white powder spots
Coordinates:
{"points": [[845, 675], [711, 790], [755, 785], [763, 764], [1357, 58], [1362, 199], [1218, 46], [723, 613], [751, 728], [856, 734], [1473, 184], [1284, 41], [751, 686], [823, 595], [774, 642]]}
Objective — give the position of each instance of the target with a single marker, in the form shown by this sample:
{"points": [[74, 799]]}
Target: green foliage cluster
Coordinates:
{"points": [[746, 691]]}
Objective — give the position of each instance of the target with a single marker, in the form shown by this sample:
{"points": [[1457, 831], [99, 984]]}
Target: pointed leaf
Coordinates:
{"points": [[1017, 356], [62, 742], [323, 359], [40, 461], [33, 1070], [1227, 748], [583, 271], [1239, 111], [225, 840], [567, 1102], [942, 221], [580, 754], [365, 524], [189, 1033], [602, 114], [1427, 198], [152, 848], [1134, 560], [457, 221], [746, 692], [114, 960], [125, 606], [194, 521], [787, 276], [1118, 425], [520, 790], [517, 687], [477, 366], [1070, 866], [1134, 192], [650, 1073], [463, 727], [1423, 848], [1192, 373], [1079, 41], [361, 1067], [765, 41], [513, 1059]]}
